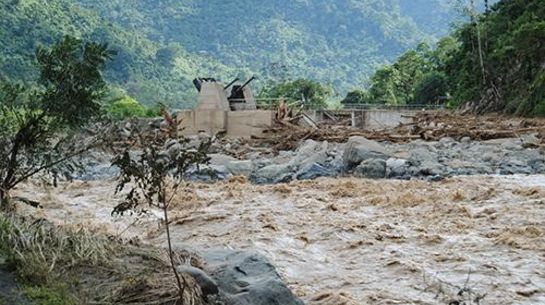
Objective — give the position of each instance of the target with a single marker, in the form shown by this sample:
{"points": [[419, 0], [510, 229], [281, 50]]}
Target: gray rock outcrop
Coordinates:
{"points": [[246, 278], [371, 168], [207, 284], [359, 149], [276, 173], [240, 168]]}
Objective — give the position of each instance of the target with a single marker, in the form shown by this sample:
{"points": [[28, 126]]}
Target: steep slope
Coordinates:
{"points": [[494, 64], [163, 44], [339, 42], [148, 70]]}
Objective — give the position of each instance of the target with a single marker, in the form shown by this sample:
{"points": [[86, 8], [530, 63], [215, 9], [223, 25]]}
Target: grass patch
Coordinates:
{"points": [[62, 266], [48, 296]]}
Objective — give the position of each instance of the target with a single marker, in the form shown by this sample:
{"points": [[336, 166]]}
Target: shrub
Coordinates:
{"points": [[154, 177], [126, 107]]}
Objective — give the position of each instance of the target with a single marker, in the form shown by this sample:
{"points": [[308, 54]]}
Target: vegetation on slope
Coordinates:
{"points": [[495, 63], [66, 266], [147, 70], [333, 42], [508, 72]]}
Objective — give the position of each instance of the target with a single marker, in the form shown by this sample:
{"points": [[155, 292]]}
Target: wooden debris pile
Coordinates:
{"points": [[432, 126], [428, 126]]}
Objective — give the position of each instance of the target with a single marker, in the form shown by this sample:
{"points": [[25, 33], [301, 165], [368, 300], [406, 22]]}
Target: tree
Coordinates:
{"points": [[383, 86], [432, 88], [125, 107], [395, 84], [71, 87], [502, 73], [155, 175], [310, 93], [357, 97]]}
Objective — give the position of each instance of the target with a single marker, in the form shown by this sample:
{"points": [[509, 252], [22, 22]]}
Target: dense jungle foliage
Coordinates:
{"points": [[491, 61], [495, 63], [147, 70], [163, 44]]}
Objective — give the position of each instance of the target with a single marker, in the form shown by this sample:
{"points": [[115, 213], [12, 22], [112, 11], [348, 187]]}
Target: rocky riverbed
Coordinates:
{"points": [[360, 157], [365, 158]]}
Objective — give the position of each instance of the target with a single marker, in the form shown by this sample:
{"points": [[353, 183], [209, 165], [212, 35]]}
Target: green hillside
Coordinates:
{"points": [[150, 71], [337, 42], [496, 63], [163, 44]]}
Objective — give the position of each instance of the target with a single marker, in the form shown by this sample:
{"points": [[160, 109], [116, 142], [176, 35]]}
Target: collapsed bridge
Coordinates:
{"points": [[233, 109]]}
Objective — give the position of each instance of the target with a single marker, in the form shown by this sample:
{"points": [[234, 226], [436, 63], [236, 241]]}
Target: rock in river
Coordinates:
{"points": [[246, 278], [359, 149]]}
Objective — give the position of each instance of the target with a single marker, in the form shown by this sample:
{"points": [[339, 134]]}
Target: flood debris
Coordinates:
{"points": [[467, 195], [426, 125]]}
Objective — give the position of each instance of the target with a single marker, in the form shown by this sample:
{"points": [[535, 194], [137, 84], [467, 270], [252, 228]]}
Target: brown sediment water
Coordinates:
{"points": [[347, 240]]}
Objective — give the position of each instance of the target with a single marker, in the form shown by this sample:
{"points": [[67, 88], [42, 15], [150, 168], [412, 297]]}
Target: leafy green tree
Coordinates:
{"points": [[431, 89], [395, 84], [71, 88], [357, 97], [443, 53], [511, 56], [126, 107], [312, 94], [154, 177], [383, 86]]}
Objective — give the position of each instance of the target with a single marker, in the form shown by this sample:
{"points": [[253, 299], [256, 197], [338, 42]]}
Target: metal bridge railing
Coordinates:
{"points": [[272, 104], [393, 107]]}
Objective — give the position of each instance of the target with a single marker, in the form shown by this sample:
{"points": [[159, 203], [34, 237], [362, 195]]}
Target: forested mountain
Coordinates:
{"points": [[146, 69], [495, 63], [337, 42], [163, 44]]}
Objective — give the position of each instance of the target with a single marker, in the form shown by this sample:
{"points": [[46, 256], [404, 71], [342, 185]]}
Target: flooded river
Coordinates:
{"points": [[352, 241]]}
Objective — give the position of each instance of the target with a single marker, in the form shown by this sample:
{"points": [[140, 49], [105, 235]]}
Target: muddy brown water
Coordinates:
{"points": [[365, 241]]}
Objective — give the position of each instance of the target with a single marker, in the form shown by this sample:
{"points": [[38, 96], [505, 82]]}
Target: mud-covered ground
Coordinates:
{"points": [[365, 241]]}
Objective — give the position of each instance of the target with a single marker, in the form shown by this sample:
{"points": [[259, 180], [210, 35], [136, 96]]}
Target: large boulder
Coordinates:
{"points": [[276, 173], [240, 168], [246, 278], [207, 284], [220, 159], [96, 166], [313, 171], [396, 168], [371, 168], [422, 154], [514, 166], [310, 152], [538, 165], [208, 173], [97, 171], [431, 168], [306, 149], [359, 149]]}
